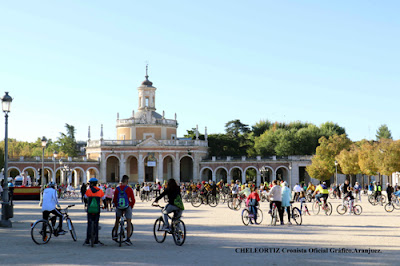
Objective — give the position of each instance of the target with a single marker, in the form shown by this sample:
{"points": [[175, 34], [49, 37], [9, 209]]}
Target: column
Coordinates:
{"points": [[87, 177], [228, 177], [243, 177], [160, 167], [196, 173], [214, 176], [177, 166], [122, 166], [103, 169], [76, 178], [258, 180], [140, 169]]}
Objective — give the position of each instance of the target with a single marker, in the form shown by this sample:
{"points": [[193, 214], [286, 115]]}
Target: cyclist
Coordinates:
{"points": [[377, 189], [253, 200], [95, 198], [357, 190], [124, 200], [322, 191], [275, 195], [50, 201], [172, 191], [286, 198], [350, 196], [389, 192]]}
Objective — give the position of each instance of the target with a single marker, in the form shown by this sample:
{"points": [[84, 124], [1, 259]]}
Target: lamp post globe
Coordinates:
{"points": [[6, 205]]}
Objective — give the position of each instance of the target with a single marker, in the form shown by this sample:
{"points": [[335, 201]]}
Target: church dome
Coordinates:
{"points": [[147, 82]]}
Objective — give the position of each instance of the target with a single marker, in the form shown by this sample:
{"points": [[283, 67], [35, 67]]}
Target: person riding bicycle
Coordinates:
{"points": [[253, 201], [322, 191], [246, 191], [172, 191], [377, 189], [389, 192], [124, 200], [95, 198], [350, 197], [50, 202]]}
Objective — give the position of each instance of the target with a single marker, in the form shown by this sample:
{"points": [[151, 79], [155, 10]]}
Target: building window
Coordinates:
{"points": [[147, 102], [173, 136]]}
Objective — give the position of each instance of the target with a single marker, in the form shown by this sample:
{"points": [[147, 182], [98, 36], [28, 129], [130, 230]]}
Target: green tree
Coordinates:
{"points": [[329, 129], [366, 158], [235, 127], [260, 127], [348, 161], [387, 156], [383, 132], [67, 141]]}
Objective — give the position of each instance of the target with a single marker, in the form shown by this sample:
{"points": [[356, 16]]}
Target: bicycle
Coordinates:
{"points": [[342, 208], [248, 217], [42, 230], [235, 202], [295, 214], [380, 199], [123, 230], [274, 214], [326, 207], [178, 229]]}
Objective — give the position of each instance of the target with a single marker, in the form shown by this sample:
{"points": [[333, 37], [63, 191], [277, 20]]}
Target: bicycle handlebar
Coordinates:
{"points": [[154, 204]]}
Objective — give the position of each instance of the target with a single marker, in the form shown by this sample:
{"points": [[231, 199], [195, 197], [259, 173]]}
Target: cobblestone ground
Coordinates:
{"points": [[215, 236]]}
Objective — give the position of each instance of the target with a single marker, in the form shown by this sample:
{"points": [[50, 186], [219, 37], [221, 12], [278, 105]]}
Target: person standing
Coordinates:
{"points": [[83, 192], [275, 195], [286, 198], [389, 192], [95, 198]]}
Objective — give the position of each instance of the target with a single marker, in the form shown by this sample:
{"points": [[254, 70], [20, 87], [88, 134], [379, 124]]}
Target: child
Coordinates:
{"points": [[253, 200], [302, 199]]}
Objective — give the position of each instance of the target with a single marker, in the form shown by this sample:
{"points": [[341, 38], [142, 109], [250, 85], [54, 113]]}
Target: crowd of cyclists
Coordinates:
{"points": [[122, 198]]}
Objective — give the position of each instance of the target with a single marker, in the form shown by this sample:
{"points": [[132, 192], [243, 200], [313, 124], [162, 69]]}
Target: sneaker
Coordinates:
{"points": [[86, 243], [165, 228], [98, 243], [282, 223], [289, 223], [62, 232], [128, 242]]}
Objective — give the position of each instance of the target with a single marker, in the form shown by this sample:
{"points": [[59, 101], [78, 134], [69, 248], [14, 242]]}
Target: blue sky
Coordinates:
{"points": [[80, 62]]}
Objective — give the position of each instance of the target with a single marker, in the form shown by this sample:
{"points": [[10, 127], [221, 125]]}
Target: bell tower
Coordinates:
{"points": [[147, 95]]}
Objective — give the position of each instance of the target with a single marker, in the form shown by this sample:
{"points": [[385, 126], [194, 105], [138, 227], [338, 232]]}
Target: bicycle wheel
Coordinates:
{"points": [[396, 203], [212, 201], [328, 208], [71, 229], [357, 209], [274, 216], [121, 234], [159, 234], [126, 228], [92, 234], [196, 201], [259, 217], [371, 199], [315, 207], [179, 232], [389, 207], [245, 217], [142, 197], [296, 215], [41, 232], [383, 198], [341, 209], [237, 205], [230, 203]]}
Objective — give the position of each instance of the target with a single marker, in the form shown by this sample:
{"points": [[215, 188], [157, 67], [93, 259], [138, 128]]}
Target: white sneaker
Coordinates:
{"points": [[289, 223]]}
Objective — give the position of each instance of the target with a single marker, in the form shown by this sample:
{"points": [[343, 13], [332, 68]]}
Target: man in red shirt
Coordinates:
{"points": [[124, 200]]}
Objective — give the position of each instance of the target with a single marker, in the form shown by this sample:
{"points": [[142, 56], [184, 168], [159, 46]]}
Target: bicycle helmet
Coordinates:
{"points": [[93, 180], [51, 184], [203, 182]]}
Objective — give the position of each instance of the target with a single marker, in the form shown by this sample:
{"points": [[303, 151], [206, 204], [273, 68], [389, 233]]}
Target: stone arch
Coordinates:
{"points": [[237, 175], [250, 177], [206, 175], [168, 167], [132, 168], [221, 175], [269, 176], [186, 155], [78, 178], [282, 174], [112, 168], [35, 173], [89, 173], [10, 168], [186, 168]]}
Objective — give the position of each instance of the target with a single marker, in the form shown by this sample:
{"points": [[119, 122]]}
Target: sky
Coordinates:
{"points": [[80, 62]]}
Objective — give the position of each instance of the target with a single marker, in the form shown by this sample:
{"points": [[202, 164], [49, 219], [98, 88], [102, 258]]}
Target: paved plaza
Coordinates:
{"points": [[215, 236]]}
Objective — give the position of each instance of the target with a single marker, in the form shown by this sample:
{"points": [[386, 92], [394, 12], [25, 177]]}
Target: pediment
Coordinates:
{"points": [[150, 142]]}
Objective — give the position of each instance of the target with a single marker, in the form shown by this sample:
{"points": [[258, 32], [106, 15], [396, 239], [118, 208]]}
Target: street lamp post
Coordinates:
{"points": [[44, 143], [55, 154], [290, 176], [336, 164], [6, 206], [262, 172]]}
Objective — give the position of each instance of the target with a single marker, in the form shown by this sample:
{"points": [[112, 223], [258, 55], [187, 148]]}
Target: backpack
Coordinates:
{"points": [[122, 198], [178, 202], [93, 203]]}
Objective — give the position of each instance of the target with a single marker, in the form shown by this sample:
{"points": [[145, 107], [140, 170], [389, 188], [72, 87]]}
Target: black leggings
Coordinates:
{"points": [[57, 213], [288, 212]]}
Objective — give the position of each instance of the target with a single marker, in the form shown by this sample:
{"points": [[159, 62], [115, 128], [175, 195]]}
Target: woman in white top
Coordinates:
{"points": [[275, 196]]}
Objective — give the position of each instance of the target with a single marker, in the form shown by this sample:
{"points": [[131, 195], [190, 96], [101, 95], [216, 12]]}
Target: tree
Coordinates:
{"points": [[348, 161], [366, 158], [67, 141], [329, 129], [235, 127], [387, 156], [223, 145], [323, 163], [383, 132], [260, 127]]}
